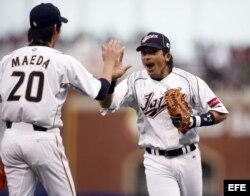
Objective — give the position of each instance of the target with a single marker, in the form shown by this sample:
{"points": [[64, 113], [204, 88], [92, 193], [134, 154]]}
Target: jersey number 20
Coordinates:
{"points": [[29, 88]]}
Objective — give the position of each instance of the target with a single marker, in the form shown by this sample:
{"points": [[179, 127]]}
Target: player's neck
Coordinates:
{"points": [[162, 75], [39, 43]]}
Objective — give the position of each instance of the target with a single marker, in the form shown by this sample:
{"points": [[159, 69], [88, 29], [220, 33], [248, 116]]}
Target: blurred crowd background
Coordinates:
{"points": [[223, 67], [208, 38]]}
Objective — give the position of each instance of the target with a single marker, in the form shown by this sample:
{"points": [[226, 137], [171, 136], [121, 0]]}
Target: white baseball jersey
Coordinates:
{"points": [[34, 82], [146, 96]]}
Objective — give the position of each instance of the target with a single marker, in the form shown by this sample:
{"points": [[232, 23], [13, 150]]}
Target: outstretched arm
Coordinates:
{"points": [[110, 56]]}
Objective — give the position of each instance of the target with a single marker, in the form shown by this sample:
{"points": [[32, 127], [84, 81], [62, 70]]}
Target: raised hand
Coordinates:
{"points": [[110, 56], [111, 52], [120, 69]]}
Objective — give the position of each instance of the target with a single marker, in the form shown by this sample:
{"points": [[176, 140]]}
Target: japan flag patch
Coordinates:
{"points": [[213, 102]]}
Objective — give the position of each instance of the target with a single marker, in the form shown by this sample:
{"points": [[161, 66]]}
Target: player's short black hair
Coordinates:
{"points": [[44, 35], [170, 64]]}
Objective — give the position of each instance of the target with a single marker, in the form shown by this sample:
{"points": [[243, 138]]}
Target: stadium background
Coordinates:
{"points": [[209, 38]]}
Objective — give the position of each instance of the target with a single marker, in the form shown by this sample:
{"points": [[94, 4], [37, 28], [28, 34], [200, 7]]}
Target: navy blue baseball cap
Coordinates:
{"points": [[155, 40], [45, 15]]}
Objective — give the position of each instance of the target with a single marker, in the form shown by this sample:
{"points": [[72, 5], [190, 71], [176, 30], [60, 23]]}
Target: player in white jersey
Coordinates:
{"points": [[34, 82], [172, 160]]}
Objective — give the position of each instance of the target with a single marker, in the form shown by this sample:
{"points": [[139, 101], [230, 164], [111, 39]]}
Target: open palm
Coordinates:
{"points": [[119, 69]]}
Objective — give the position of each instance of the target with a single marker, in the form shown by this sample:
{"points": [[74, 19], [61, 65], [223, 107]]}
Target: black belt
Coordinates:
{"points": [[35, 127], [172, 153]]}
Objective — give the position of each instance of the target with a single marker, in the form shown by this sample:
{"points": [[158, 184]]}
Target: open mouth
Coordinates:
{"points": [[149, 65]]}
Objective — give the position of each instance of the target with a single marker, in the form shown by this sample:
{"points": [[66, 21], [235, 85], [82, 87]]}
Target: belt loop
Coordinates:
{"points": [[38, 128], [184, 150], [8, 124]]}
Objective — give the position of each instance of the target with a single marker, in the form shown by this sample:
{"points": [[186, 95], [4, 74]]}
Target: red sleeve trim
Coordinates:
{"points": [[213, 102]]}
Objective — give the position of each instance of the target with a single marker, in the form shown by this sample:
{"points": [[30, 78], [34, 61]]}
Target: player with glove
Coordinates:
{"points": [[170, 104], [178, 108], [180, 112]]}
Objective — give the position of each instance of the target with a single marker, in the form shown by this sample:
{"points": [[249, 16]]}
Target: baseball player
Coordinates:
{"points": [[34, 82], [172, 159]]}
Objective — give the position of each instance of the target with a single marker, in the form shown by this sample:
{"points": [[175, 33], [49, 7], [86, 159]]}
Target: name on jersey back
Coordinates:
{"points": [[32, 60]]}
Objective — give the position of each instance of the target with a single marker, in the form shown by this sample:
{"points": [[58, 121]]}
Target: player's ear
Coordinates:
{"points": [[168, 56], [57, 28]]}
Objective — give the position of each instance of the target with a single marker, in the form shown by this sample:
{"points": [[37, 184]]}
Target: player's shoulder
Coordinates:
{"points": [[141, 74], [135, 77], [181, 73], [7, 56], [191, 78]]}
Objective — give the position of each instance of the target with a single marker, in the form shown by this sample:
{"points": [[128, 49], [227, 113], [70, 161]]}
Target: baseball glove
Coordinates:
{"points": [[178, 109], [2, 176]]}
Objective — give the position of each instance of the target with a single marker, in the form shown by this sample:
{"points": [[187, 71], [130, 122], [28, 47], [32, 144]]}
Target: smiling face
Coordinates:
{"points": [[155, 62]]}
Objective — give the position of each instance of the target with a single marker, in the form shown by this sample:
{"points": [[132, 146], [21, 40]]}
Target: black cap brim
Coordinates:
{"points": [[64, 20], [153, 45]]}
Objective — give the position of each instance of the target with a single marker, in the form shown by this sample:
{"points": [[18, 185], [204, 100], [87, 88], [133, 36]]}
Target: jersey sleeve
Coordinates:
{"points": [[80, 78], [1, 74], [204, 99]]}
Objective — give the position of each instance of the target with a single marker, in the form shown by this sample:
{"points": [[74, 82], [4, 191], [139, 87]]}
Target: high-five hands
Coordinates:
{"points": [[113, 53], [120, 69]]}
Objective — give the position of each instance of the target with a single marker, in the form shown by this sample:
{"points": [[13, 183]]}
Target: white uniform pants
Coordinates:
{"points": [[30, 156], [177, 176]]}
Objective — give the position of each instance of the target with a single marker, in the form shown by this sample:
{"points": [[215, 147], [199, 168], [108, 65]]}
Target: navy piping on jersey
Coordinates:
{"points": [[162, 78], [127, 89], [134, 85], [198, 88], [187, 82]]}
